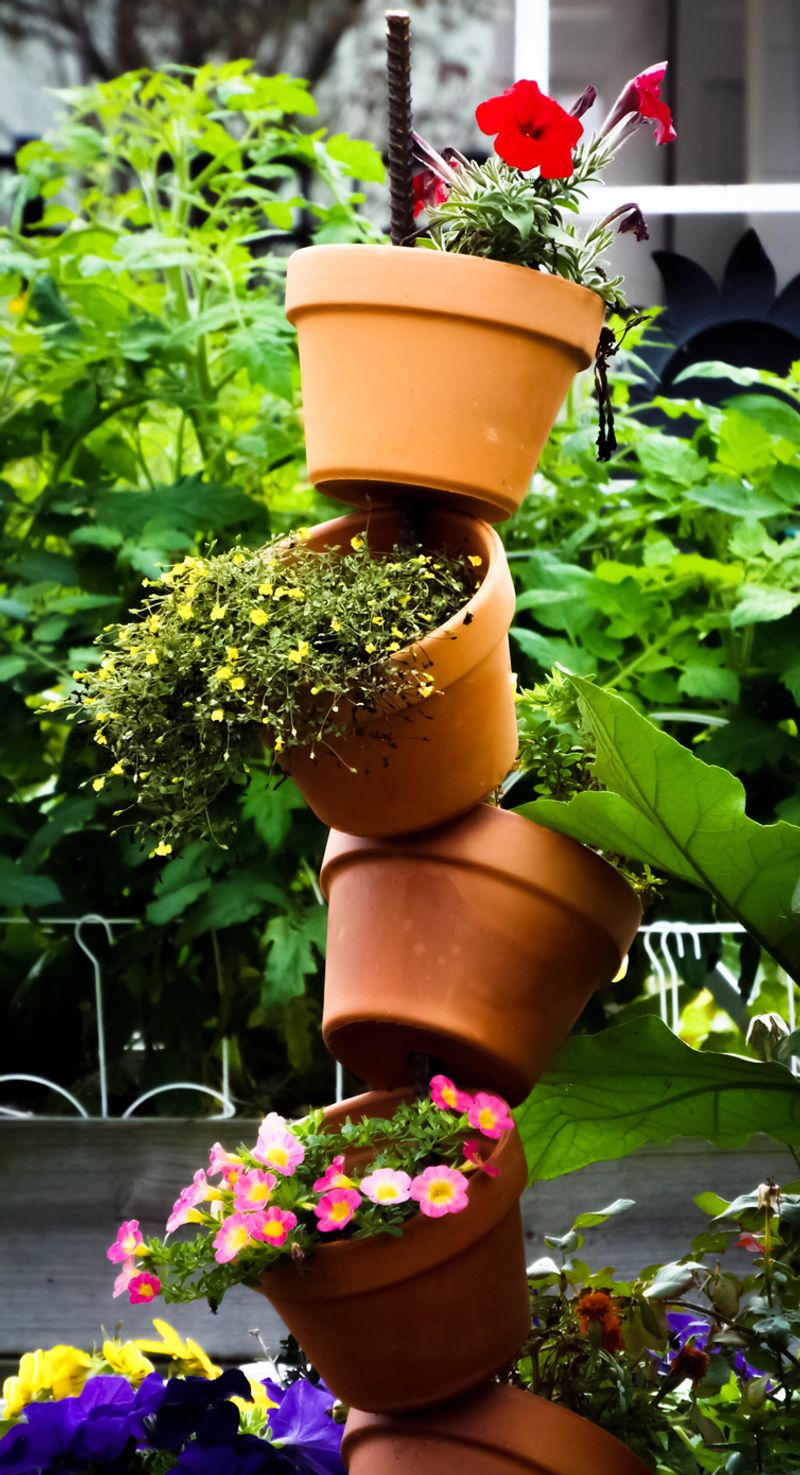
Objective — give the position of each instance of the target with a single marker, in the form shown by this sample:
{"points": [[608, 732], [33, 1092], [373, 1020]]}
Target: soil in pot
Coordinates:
{"points": [[496, 1431], [398, 1322], [477, 944], [427, 371], [437, 755]]}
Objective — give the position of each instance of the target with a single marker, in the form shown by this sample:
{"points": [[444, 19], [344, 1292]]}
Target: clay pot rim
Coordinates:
{"points": [[495, 584], [473, 288], [355, 1265], [594, 874], [514, 1429]]}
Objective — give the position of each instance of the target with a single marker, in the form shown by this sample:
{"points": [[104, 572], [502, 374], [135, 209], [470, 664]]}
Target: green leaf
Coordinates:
{"points": [[774, 414], [234, 899], [361, 160], [636, 1084], [703, 679], [744, 447], [11, 666], [671, 1281], [174, 903], [295, 942], [670, 457], [595, 1217], [666, 807], [711, 1203], [549, 650], [20, 889], [758, 603], [737, 500], [270, 806]]}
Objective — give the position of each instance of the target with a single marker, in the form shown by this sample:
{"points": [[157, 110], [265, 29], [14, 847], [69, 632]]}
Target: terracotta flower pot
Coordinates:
{"points": [[497, 1431], [438, 755], [477, 943], [397, 1322], [433, 372]]}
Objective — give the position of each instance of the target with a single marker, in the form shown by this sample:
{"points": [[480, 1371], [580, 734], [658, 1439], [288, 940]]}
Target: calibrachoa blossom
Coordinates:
{"points": [[334, 1177], [273, 1226], [126, 1274], [195, 1193], [472, 1154], [143, 1288], [232, 1236], [447, 1096], [128, 1242], [253, 1190], [336, 1209], [440, 1190], [219, 1159], [533, 130], [490, 1114], [386, 1186], [277, 1147]]}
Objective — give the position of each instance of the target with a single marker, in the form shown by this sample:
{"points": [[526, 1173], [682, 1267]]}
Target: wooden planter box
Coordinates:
{"points": [[68, 1184]]}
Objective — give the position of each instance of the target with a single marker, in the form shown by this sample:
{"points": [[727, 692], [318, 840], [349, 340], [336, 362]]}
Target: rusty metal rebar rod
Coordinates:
{"points": [[401, 162]]}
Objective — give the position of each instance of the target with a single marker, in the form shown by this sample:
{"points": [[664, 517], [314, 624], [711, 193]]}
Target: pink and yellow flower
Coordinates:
{"points": [[440, 1190], [386, 1186], [336, 1209], [143, 1288], [447, 1096], [334, 1177], [195, 1193], [472, 1154], [233, 1235], [219, 1159], [277, 1147], [273, 1226], [253, 1190], [128, 1242], [126, 1274], [490, 1114]]}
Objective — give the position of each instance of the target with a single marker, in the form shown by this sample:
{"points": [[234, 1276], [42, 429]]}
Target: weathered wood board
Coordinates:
{"points": [[66, 1185]]}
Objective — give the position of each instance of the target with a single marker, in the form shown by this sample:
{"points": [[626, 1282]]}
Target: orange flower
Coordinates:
{"points": [[690, 1362], [597, 1307]]}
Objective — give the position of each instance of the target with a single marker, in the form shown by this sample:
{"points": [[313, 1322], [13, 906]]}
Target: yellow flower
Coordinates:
{"points": [[98, 784], [117, 770], [395, 645], [237, 683], [265, 589], [298, 654], [189, 1353], [302, 534], [259, 616], [336, 625], [426, 689], [223, 673], [296, 593], [152, 622], [405, 599], [238, 558], [277, 746], [186, 611], [232, 653], [101, 738], [378, 620], [281, 591], [357, 542], [61, 1373], [217, 715], [197, 642], [218, 611], [17, 305], [397, 631], [475, 560], [151, 659], [126, 1359], [370, 649], [163, 848]]}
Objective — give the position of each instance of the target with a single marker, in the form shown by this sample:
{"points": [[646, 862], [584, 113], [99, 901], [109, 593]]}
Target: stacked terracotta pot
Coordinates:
{"points": [[461, 938]]}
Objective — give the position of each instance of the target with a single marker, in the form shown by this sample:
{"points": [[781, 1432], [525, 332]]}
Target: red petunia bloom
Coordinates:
{"points": [[533, 130], [642, 95], [429, 190]]}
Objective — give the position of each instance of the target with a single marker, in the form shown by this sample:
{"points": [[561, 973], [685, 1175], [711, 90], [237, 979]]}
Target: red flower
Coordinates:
{"points": [[597, 1307], [429, 190], [750, 1242], [691, 1363], [532, 130], [642, 95]]}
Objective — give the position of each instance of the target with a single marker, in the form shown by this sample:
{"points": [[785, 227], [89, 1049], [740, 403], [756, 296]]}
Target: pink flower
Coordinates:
{"points": [[277, 1147], [196, 1193], [336, 1209], [273, 1226], [233, 1235], [749, 1242], [490, 1114], [128, 1242], [429, 190], [143, 1288], [447, 1096], [253, 1190], [641, 96], [125, 1277], [386, 1186], [231, 1174], [440, 1190], [472, 1154], [334, 1177], [219, 1159]]}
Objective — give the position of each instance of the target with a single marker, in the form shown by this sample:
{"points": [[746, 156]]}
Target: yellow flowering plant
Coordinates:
{"points": [[285, 645]]}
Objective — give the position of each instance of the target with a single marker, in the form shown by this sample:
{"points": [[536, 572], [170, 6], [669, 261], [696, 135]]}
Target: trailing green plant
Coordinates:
{"points": [[692, 1365], [149, 407], [287, 644]]}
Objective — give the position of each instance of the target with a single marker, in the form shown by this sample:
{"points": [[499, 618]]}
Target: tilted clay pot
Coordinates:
{"points": [[435, 756], [477, 944], [428, 371], [495, 1431], [397, 1322]]}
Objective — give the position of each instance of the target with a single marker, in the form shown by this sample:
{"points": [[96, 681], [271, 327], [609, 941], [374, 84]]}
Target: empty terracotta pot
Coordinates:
{"points": [[436, 756], [397, 1322], [477, 943], [496, 1431], [424, 370]]}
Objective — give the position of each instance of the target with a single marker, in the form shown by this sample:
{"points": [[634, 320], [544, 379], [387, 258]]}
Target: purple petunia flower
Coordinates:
{"points": [[686, 1325], [93, 1428], [310, 1442]]}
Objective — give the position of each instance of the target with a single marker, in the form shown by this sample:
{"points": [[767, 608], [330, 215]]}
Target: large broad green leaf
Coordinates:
{"points": [[609, 1093], [21, 889], [666, 807]]}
